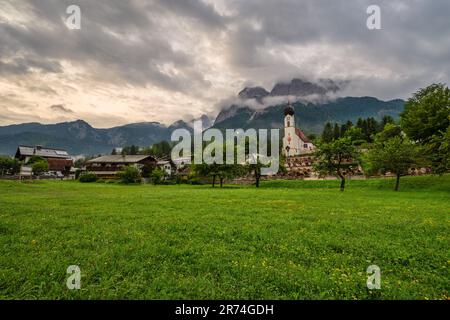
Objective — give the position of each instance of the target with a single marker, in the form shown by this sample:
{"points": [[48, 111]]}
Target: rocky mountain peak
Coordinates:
{"points": [[296, 87], [257, 93], [302, 88], [206, 121], [79, 124]]}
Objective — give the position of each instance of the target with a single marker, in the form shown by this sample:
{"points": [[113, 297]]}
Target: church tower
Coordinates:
{"points": [[289, 148], [295, 142]]}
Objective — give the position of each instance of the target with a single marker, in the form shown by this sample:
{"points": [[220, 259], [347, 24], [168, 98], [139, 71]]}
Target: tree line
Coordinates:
{"points": [[161, 149], [369, 128], [420, 139], [9, 166]]}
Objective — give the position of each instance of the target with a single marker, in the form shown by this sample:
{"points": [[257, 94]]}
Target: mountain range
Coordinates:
{"points": [[79, 137], [296, 87]]}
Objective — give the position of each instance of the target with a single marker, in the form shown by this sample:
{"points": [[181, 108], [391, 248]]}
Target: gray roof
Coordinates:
{"points": [[120, 159], [43, 152]]}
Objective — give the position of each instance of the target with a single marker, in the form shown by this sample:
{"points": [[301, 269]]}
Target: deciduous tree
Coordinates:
{"points": [[39, 167], [334, 158], [392, 153], [426, 119]]}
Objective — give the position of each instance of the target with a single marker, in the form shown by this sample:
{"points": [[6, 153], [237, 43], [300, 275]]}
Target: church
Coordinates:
{"points": [[295, 142]]}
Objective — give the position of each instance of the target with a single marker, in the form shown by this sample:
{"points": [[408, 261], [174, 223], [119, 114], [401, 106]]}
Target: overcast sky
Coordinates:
{"points": [[163, 60]]}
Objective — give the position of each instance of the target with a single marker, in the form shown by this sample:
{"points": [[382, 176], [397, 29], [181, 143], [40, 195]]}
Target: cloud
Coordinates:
{"points": [[60, 108], [161, 60], [22, 66]]}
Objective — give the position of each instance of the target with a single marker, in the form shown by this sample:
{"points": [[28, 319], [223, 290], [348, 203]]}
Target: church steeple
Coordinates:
{"points": [[295, 141], [289, 116], [289, 110]]}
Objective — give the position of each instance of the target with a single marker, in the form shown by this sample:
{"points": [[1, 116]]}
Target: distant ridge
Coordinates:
{"points": [[79, 137], [310, 117]]}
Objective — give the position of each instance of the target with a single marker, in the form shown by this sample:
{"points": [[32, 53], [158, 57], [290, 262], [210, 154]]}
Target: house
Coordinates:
{"points": [[108, 166], [295, 142], [59, 160], [182, 162], [168, 166]]}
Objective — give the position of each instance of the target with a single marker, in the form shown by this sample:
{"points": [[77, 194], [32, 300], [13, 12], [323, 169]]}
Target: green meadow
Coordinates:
{"points": [[285, 240]]}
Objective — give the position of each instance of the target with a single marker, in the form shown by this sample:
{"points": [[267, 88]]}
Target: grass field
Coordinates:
{"points": [[287, 240]]}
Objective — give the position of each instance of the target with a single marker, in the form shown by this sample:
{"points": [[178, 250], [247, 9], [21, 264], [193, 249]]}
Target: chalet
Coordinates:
{"points": [[182, 162], [167, 165], [109, 166], [59, 161]]}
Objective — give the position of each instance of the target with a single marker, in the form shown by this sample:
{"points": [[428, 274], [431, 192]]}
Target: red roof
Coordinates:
{"points": [[302, 135]]}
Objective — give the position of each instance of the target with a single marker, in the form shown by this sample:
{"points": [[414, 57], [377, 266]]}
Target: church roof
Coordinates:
{"points": [[302, 135]]}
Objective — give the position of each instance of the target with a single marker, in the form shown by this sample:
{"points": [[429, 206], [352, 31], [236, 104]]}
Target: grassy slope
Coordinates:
{"points": [[288, 240]]}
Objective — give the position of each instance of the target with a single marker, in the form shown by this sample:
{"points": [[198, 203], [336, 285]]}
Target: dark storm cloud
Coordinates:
{"points": [[415, 38], [414, 32], [102, 43], [211, 48]]}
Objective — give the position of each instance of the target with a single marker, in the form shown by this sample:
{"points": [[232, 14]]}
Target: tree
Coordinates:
{"points": [[362, 124], [311, 137], [359, 123], [255, 170], [80, 163], [39, 167], [158, 175], [161, 149], [445, 149], [224, 171], [208, 170], [5, 165], [129, 174], [14, 166], [390, 131], [334, 158], [372, 128], [336, 131], [385, 120], [35, 159], [346, 126], [87, 177], [392, 153], [327, 134], [426, 119], [114, 152], [427, 113], [356, 136], [441, 152], [130, 150], [228, 171]]}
